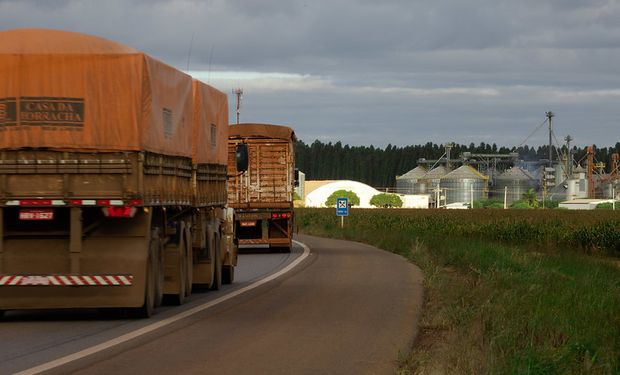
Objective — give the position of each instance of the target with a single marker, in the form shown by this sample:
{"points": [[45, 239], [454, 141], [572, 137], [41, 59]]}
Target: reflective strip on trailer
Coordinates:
{"points": [[72, 202], [66, 280], [83, 202]]}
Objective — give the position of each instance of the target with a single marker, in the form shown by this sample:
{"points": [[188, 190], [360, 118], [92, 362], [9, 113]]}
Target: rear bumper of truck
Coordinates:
{"points": [[264, 227], [64, 263], [112, 274], [17, 297]]}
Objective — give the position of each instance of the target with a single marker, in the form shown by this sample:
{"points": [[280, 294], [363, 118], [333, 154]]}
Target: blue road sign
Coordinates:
{"points": [[342, 207]]}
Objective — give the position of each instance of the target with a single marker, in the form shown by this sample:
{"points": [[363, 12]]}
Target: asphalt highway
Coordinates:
{"points": [[340, 308]]}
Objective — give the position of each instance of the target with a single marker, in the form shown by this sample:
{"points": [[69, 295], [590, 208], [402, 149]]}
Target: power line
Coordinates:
{"points": [[532, 133]]}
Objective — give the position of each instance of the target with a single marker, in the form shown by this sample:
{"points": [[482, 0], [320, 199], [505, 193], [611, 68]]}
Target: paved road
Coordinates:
{"points": [[347, 309], [28, 338]]}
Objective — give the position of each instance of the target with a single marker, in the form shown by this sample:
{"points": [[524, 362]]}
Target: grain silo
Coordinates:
{"points": [[464, 184], [408, 183], [515, 182], [431, 180]]}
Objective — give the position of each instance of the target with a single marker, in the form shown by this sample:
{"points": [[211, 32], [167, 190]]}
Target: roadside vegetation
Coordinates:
{"points": [[386, 200], [354, 200], [507, 291]]}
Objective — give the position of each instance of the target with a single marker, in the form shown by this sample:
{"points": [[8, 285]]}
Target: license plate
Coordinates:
{"points": [[36, 214], [248, 223]]}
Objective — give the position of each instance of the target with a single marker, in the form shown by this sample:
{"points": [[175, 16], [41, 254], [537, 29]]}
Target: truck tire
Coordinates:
{"points": [[189, 276], [2, 314], [228, 274], [147, 309], [154, 281], [157, 251], [281, 249], [179, 297], [217, 259]]}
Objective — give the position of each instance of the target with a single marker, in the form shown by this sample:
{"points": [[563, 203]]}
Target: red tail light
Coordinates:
{"points": [[119, 211], [280, 215]]}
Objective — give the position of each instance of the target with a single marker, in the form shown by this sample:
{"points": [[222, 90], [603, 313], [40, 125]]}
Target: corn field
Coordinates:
{"points": [[589, 231]]}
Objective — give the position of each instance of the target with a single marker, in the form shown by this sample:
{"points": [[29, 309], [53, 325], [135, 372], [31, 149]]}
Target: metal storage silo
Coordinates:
{"points": [[460, 183], [408, 183], [517, 180], [431, 180]]}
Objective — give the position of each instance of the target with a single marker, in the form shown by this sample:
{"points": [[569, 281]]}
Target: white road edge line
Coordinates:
{"points": [[155, 326]]}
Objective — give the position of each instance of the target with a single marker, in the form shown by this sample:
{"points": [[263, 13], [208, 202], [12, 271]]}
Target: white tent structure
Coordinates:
{"points": [[318, 196]]}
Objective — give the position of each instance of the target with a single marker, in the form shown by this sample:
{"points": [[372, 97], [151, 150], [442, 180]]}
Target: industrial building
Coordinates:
{"points": [[409, 182], [506, 178], [464, 184], [513, 183]]}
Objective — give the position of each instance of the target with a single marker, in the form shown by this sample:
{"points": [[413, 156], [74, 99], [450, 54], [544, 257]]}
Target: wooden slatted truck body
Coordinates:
{"points": [[262, 196], [112, 177]]}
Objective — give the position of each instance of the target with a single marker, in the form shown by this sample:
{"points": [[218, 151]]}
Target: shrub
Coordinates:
{"points": [[489, 203], [386, 200], [606, 206], [520, 204], [354, 200]]}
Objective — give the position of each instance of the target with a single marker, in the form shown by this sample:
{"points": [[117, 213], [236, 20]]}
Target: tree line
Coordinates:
{"points": [[378, 167]]}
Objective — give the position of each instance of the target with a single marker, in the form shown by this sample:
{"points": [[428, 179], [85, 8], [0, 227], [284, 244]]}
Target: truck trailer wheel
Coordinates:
{"points": [[228, 274], [179, 295], [281, 249], [217, 259], [153, 291], [156, 250], [147, 309], [189, 276]]}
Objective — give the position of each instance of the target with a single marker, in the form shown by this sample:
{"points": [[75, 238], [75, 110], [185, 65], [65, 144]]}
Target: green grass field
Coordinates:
{"points": [[507, 291]]}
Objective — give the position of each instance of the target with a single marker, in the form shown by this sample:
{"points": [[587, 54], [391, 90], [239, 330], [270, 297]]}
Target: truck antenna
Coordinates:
{"points": [[189, 53], [239, 93]]}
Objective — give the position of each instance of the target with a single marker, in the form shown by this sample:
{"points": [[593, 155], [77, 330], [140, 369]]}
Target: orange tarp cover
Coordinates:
{"points": [[210, 125], [261, 131], [65, 90]]}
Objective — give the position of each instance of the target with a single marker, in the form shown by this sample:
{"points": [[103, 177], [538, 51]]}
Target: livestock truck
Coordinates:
{"points": [[261, 192], [112, 177]]}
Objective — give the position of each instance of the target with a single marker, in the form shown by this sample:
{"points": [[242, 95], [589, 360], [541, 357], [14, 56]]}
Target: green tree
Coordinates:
{"points": [[386, 200], [531, 198], [354, 200]]}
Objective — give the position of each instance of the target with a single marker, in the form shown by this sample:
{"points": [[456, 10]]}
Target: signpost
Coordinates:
{"points": [[342, 209]]}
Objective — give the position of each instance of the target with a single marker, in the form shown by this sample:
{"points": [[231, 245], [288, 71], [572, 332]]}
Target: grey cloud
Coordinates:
{"points": [[524, 50]]}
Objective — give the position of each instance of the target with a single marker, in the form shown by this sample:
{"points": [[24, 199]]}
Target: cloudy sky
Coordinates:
{"points": [[380, 71]]}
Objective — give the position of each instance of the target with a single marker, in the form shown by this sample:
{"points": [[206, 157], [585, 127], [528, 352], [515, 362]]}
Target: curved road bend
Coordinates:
{"points": [[347, 309]]}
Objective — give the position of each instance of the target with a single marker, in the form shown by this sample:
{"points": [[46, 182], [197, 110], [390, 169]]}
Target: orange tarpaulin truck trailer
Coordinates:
{"points": [[262, 196], [112, 176]]}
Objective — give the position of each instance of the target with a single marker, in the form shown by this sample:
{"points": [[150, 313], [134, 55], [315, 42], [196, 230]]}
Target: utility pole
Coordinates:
{"points": [[550, 116], [448, 147], [239, 93], [569, 167], [590, 171]]}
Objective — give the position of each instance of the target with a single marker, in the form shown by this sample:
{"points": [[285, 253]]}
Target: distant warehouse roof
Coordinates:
{"points": [[583, 203], [261, 131]]}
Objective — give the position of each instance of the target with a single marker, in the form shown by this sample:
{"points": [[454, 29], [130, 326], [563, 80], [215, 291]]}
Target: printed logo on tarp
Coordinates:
{"points": [[167, 116], [46, 113], [8, 112], [52, 113]]}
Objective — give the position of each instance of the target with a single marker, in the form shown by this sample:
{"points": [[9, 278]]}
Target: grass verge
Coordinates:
{"points": [[500, 299]]}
